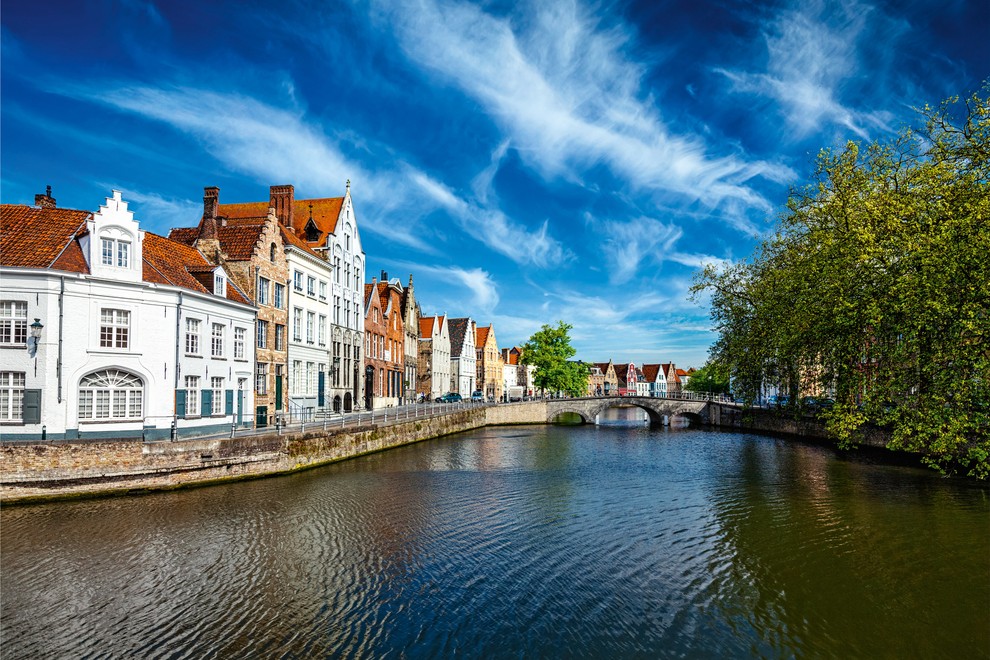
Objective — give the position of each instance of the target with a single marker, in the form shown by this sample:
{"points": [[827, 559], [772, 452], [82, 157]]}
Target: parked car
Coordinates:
{"points": [[478, 395], [450, 397]]}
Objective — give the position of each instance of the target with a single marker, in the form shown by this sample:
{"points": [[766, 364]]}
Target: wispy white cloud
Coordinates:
{"points": [[168, 212], [276, 144], [452, 281], [561, 85], [811, 51]]}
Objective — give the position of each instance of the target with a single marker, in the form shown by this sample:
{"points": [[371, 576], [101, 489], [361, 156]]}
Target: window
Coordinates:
{"points": [[219, 284], [261, 378], [280, 296], [262, 334], [218, 400], [279, 337], [322, 330], [323, 290], [336, 310], [297, 376], [13, 322], [264, 286], [11, 396], [192, 396], [115, 252], [297, 324], [297, 280], [310, 285], [310, 378], [310, 326], [336, 269], [357, 278], [111, 395], [239, 343], [192, 336], [114, 325], [271, 253], [216, 346]]}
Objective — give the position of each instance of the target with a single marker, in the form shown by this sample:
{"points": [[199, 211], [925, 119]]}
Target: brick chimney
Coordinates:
{"points": [[282, 200], [211, 202], [45, 201]]}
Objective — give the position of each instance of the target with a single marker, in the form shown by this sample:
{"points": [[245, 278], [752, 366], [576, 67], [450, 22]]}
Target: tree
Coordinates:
{"points": [[874, 289], [713, 378], [549, 350]]}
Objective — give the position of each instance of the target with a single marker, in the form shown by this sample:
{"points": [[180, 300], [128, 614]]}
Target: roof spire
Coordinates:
{"points": [[348, 186]]}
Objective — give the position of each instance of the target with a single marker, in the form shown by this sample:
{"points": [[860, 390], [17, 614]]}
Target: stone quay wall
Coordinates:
{"points": [[86, 469]]}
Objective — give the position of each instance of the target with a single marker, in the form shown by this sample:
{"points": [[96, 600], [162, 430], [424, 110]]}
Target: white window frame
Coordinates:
{"points": [[13, 323], [264, 291], [115, 252], [310, 327], [104, 394], [12, 396], [239, 335], [261, 339], [115, 327], [216, 340], [192, 397], [192, 336], [217, 404]]}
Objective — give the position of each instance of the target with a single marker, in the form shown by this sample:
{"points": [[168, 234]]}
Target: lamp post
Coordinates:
{"points": [[334, 370], [36, 329]]}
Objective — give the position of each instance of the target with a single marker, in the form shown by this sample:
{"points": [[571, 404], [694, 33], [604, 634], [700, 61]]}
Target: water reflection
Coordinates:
{"points": [[517, 541]]}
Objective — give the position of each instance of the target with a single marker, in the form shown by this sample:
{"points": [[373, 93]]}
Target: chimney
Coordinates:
{"points": [[211, 203], [282, 200], [384, 276], [45, 201]]}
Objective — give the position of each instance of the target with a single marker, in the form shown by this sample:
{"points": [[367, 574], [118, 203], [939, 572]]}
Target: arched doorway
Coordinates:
{"points": [[337, 402], [348, 403]]}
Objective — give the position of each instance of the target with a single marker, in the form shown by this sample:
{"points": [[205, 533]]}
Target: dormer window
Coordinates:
{"points": [[312, 231], [115, 252], [219, 285]]}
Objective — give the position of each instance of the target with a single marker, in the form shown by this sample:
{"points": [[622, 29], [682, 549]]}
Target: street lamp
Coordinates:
{"points": [[36, 329]]}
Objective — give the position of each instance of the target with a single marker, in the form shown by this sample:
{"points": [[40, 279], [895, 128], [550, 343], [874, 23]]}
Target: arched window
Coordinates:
{"points": [[271, 253], [111, 395]]}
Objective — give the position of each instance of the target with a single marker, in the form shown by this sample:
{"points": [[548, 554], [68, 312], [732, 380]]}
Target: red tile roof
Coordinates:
{"points": [[650, 372], [481, 336], [238, 240], [326, 211], [426, 327], [32, 237]]}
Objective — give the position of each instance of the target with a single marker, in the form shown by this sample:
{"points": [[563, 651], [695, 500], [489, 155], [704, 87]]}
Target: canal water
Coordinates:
{"points": [[535, 542]]}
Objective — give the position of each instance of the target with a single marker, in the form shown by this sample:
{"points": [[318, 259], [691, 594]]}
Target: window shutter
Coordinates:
{"points": [[32, 407], [321, 390], [180, 403], [229, 408], [206, 409]]}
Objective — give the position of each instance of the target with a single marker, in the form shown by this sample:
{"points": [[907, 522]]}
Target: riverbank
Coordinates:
{"points": [[43, 472]]}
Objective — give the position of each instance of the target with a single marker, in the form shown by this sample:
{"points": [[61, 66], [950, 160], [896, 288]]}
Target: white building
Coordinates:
{"points": [[325, 227], [463, 356], [136, 334]]}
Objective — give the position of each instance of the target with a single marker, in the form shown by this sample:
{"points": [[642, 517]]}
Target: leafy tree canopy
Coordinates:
{"points": [[550, 351], [712, 378], [874, 290]]}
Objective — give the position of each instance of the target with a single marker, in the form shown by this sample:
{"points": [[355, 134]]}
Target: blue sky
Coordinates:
{"points": [[527, 162]]}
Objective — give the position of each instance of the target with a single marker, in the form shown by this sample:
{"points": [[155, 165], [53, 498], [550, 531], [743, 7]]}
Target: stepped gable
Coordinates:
{"points": [[45, 237], [481, 335], [458, 330], [237, 239]]}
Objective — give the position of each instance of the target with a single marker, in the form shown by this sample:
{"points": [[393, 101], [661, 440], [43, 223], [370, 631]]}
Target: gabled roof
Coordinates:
{"points": [[458, 331], [650, 372], [426, 326], [237, 239], [481, 335], [33, 237], [326, 211]]}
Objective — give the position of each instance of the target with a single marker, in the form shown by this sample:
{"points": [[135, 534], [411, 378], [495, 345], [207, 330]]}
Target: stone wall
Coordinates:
{"points": [[778, 421], [526, 412]]}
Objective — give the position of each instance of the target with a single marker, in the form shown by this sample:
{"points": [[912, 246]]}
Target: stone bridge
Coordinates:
{"points": [[590, 407]]}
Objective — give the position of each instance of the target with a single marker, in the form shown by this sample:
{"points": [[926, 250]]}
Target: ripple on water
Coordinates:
{"points": [[593, 542]]}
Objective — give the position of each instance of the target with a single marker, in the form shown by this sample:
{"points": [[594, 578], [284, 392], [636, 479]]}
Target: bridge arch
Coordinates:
{"points": [[590, 408]]}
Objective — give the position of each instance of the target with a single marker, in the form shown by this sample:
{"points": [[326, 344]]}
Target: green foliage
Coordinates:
{"points": [[550, 351], [712, 378], [874, 288]]}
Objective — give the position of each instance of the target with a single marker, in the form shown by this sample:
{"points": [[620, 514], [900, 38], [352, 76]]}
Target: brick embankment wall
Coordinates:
{"points": [[527, 412], [42, 472], [776, 421]]}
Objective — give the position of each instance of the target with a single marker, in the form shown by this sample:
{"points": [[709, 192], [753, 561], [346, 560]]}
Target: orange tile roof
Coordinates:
{"points": [[426, 327], [650, 372], [238, 239], [170, 262], [481, 335], [326, 211], [32, 237]]}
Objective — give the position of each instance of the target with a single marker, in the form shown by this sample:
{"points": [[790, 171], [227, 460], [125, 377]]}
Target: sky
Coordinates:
{"points": [[526, 162]]}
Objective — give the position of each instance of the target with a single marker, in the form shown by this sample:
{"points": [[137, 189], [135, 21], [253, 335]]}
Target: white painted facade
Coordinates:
{"points": [[347, 261], [309, 332], [113, 360]]}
